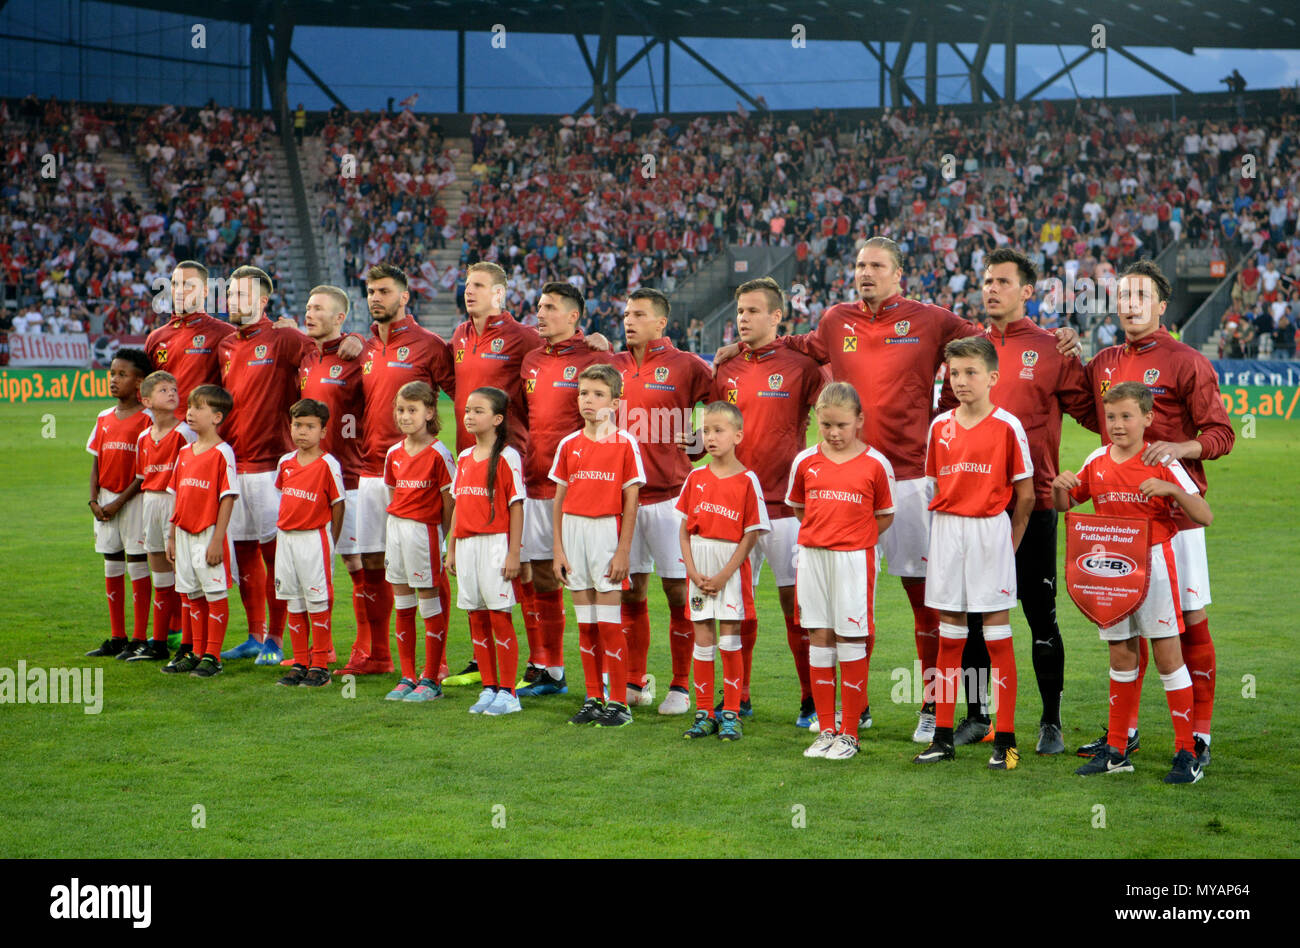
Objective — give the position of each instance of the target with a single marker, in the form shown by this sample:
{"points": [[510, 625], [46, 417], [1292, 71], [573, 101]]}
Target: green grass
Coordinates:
{"points": [[278, 770]]}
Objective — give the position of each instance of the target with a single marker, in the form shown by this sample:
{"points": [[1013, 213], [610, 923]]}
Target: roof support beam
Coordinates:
{"points": [[885, 70], [717, 73], [931, 64], [977, 81], [626, 68], [1009, 53], [1028, 96], [1152, 69], [976, 77], [311, 74], [586, 54], [460, 71], [900, 60]]}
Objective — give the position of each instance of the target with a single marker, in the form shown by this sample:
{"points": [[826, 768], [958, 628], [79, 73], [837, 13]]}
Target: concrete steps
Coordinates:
{"points": [[290, 260]]}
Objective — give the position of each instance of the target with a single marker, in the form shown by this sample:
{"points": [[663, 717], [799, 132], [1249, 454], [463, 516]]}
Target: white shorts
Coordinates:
{"points": [[372, 515], [304, 565], [1193, 569], [193, 574], [125, 532], [906, 544], [729, 605], [479, 582], [656, 542], [1157, 617], [158, 509], [256, 508], [836, 589], [776, 548], [413, 553], [589, 545], [347, 544], [972, 564], [539, 541]]}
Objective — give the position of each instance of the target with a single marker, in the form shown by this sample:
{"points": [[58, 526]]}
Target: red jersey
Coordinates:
{"points": [[469, 487], [412, 354], [840, 499], [187, 348], [114, 442], [493, 358], [723, 508], [774, 387], [597, 472], [891, 358], [659, 396], [308, 492], [1186, 392], [199, 481], [417, 481], [259, 367], [550, 380], [974, 469], [155, 460], [1036, 384], [337, 382], [1113, 488]]}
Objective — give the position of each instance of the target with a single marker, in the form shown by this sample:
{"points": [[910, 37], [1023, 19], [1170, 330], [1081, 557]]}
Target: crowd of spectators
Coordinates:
{"points": [[80, 253]]}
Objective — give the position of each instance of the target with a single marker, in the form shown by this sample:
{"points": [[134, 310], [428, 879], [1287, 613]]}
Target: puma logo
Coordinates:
{"points": [[1112, 698], [685, 635], [112, 595], [577, 454], [699, 487], [849, 684], [587, 651], [1207, 675], [945, 441], [998, 682], [822, 681], [1185, 715], [701, 688], [434, 635], [368, 596], [504, 645], [1004, 592], [402, 638], [1042, 641], [857, 622], [1165, 621], [731, 607], [617, 656], [928, 634], [1109, 371], [1192, 591], [1048, 582], [733, 682], [217, 618], [482, 644]]}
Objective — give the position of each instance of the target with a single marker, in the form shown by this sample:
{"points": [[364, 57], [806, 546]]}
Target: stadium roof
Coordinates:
{"points": [[1179, 24]]}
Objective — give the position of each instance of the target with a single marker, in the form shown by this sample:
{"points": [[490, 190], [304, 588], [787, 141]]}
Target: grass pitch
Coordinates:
{"points": [[237, 767]]}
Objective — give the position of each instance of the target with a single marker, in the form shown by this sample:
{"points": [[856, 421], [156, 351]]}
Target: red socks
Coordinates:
{"points": [[797, 639], [703, 668], [1002, 675], [218, 619], [526, 596], [252, 586], [681, 641], [1143, 658], [636, 622], [1179, 694], [614, 651], [297, 626], [925, 624], [198, 611], [589, 648], [822, 668], [748, 636], [871, 647], [480, 633], [853, 689], [507, 649], [361, 593], [115, 590], [435, 638], [550, 605], [948, 662], [278, 607], [735, 680], [405, 607], [1124, 689], [1198, 653], [141, 599], [322, 641], [379, 606], [165, 605]]}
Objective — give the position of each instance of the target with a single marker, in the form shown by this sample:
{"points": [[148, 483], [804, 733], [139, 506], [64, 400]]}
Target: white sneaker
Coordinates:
{"points": [[819, 747], [676, 702], [485, 699], [503, 703], [843, 748], [839, 720], [924, 732], [643, 698]]}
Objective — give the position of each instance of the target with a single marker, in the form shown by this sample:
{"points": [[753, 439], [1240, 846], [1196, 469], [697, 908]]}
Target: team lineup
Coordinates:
{"points": [[250, 453]]}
